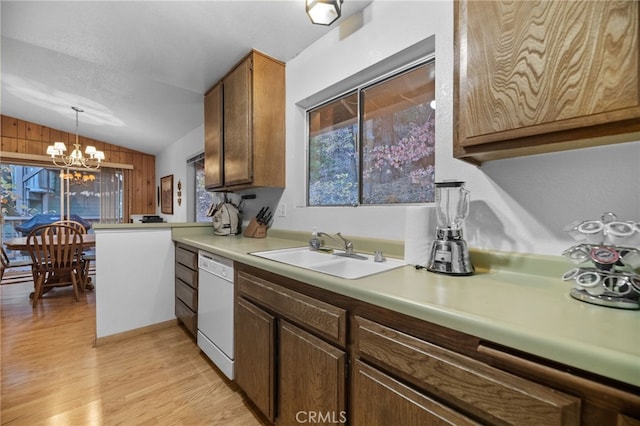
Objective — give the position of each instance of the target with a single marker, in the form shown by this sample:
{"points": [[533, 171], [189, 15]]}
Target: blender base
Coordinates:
{"points": [[458, 274], [450, 257]]}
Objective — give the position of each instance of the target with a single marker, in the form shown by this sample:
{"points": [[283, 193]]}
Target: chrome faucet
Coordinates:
{"points": [[347, 244]]}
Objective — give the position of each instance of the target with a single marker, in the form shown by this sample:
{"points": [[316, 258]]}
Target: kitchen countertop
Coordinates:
{"points": [[515, 300], [139, 225]]}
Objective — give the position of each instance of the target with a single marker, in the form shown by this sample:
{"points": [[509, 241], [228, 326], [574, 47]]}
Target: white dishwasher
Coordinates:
{"points": [[215, 310]]}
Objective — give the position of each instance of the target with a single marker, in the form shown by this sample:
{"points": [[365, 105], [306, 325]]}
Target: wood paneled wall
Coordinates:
{"points": [[24, 137]]}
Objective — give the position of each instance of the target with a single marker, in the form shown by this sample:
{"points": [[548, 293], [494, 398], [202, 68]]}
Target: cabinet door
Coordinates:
{"points": [[268, 127], [377, 399], [238, 165], [532, 75], [311, 379], [255, 361], [213, 138]]}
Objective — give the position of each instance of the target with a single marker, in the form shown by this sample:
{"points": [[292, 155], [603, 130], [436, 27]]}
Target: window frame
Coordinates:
{"points": [[345, 95], [359, 89]]}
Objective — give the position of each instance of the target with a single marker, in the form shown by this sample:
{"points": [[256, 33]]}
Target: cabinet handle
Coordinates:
{"points": [[557, 376]]}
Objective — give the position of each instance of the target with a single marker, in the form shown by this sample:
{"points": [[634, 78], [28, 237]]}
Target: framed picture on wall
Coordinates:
{"points": [[166, 194]]}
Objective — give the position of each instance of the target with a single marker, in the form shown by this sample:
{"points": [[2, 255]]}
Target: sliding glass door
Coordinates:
{"points": [[30, 190]]}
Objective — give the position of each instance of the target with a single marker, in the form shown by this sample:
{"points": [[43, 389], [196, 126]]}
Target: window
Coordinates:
{"points": [[202, 198], [333, 159], [375, 144]]}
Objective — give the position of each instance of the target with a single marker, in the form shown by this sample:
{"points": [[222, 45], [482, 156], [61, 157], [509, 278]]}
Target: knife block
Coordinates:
{"points": [[255, 230]]}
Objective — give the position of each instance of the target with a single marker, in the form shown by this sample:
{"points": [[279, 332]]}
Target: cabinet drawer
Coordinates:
{"points": [[187, 294], [190, 277], [187, 258], [486, 392], [371, 387], [327, 320], [187, 317]]}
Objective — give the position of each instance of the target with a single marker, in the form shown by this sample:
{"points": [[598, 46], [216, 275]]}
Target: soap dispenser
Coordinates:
{"points": [[314, 243]]}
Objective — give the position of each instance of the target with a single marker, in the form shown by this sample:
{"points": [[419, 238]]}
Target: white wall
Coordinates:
{"points": [[518, 204], [134, 279], [173, 161]]}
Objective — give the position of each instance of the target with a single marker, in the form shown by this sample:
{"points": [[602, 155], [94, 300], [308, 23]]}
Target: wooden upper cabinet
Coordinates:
{"points": [[213, 138], [534, 77], [250, 125]]}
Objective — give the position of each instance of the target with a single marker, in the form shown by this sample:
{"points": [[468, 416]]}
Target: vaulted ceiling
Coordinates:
{"points": [[139, 69]]}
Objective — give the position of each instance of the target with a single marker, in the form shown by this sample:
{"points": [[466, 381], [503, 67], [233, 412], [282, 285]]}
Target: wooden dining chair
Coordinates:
{"points": [[80, 227], [87, 257], [56, 252], [6, 263]]}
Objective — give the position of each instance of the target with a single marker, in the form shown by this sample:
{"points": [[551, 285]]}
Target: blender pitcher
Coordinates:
{"points": [[449, 252], [452, 201]]}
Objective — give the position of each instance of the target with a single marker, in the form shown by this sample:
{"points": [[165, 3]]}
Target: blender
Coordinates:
{"points": [[449, 252]]}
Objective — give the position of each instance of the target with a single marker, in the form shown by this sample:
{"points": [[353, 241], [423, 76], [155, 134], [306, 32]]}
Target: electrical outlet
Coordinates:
{"points": [[282, 210]]}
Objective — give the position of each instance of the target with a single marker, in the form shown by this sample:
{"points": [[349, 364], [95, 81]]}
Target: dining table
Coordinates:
{"points": [[88, 242], [20, 243]]}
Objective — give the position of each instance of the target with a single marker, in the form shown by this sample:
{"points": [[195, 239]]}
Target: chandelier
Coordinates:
{"points": [[76, 158]]}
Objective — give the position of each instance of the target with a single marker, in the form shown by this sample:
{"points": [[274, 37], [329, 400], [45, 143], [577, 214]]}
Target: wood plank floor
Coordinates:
{"points": [[52, 374]]}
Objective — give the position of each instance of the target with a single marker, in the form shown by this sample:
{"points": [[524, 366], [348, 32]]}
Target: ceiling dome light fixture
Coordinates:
{"points": [[76, 159], [324, 12]]}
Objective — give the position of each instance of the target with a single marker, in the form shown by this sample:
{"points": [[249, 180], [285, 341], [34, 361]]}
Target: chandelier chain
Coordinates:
{"points": [[76, 158]]}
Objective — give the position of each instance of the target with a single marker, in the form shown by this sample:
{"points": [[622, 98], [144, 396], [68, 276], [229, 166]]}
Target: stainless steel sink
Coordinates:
{"points": [[328, 263]]}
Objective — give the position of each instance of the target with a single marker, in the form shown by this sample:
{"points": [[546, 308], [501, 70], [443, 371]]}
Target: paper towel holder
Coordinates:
{"points": [[418, 234]]}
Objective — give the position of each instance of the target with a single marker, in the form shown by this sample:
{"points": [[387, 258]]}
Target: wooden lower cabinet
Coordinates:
{"points": [[489, 394], [186, 287], [379, 399], [288, 359], [311, 379], [305, 355]]}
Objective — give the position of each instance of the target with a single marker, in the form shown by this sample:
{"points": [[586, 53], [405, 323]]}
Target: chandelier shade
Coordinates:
{"points": [[58, 150], [324, 12]]}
